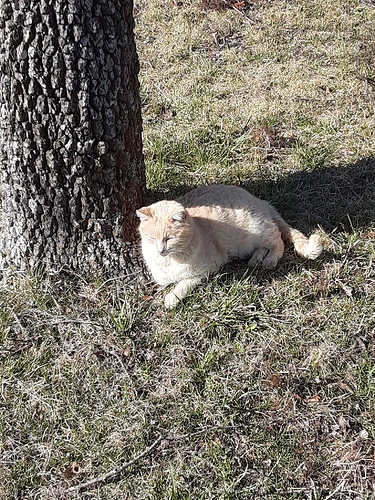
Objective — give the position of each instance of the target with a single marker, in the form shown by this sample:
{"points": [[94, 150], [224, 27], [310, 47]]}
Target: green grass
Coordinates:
{"points": [[261, 383]]}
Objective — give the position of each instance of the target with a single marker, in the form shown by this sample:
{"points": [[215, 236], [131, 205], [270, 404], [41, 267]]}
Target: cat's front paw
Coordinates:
{"points": [[171, 300]]}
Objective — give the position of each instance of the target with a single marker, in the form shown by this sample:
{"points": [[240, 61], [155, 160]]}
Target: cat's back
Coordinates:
{"points": [[230, 196], [219, 201]]}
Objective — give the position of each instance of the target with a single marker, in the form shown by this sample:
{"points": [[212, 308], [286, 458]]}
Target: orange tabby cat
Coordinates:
{"points": [[185, 240]]}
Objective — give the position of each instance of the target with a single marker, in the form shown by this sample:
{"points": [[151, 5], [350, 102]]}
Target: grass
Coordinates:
{"points": [[262, 383]]}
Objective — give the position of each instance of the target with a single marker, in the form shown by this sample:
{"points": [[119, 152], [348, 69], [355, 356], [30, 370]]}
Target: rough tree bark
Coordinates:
{"points": [[72, 170]]}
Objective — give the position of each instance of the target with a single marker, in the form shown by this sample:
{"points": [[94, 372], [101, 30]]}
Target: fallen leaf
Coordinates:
{"points": [[314, 399], [345, 387], [274, 380], [72, 470], [127, 351], [76, 468]]}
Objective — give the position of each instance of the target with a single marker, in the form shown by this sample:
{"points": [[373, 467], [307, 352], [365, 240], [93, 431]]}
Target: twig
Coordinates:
{"points": [[238, 11], [338, 487], [115, 471]]}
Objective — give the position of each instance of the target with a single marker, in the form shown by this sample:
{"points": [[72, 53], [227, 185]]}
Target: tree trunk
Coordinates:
{"points": [[72, 169]]}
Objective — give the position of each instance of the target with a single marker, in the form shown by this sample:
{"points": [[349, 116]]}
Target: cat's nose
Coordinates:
{"points": [[162, 249]]}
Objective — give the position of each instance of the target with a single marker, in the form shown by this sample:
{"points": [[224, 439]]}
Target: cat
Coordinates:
{"points": [[185, 240]]}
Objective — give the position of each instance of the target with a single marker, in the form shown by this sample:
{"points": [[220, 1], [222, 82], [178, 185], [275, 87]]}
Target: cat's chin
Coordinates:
{"points": [[166, 254], [172, 252], [173, 255]]}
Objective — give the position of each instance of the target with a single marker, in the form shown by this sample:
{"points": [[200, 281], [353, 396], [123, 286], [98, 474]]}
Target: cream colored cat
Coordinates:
{"points": [[184, 241]]}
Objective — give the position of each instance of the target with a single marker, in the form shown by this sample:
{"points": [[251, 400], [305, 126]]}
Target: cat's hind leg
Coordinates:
{"points": [[257, 256], [275, 253], [268, 255], [180, 291]]}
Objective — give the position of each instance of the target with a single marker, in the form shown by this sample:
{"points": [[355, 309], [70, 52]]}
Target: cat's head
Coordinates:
{"points": [[166, 225]]}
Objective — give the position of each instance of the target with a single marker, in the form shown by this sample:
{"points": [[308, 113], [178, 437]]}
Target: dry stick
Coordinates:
{"points": [[239, 11], [115, 471]]}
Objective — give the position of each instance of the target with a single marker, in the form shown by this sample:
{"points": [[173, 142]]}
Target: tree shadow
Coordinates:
{"points": [[341, 198], [337, 197]]}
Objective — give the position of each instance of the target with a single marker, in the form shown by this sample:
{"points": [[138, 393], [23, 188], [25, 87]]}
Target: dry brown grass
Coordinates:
{"points": [[261, 385]]}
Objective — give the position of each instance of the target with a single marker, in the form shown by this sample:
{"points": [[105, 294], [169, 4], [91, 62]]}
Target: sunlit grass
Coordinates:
{"points": [[261, 383]]}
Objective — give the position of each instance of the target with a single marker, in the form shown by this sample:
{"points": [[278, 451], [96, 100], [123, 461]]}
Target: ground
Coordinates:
{"points": [[261, 385]]}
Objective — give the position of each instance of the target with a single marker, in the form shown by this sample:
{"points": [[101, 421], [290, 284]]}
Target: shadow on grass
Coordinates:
{"points": [[340, 197]]}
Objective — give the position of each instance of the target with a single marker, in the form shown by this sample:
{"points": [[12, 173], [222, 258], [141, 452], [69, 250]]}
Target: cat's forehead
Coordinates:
{"points": [[165, 209]]}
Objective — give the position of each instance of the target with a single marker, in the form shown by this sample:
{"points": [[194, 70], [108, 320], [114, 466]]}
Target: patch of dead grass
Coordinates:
{"points": [[262, 383]]}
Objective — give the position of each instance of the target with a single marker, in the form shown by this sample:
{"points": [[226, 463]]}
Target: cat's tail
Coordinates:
{"points": [[308, 248]]}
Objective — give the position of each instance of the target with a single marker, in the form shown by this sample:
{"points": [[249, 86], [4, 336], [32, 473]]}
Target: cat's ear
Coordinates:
{"points": [[144, 213], [180, 217]]}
